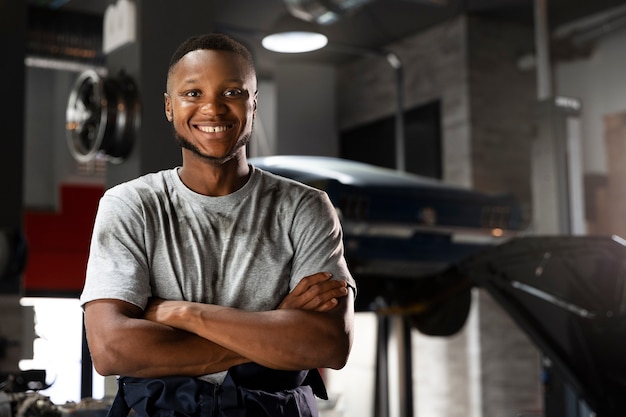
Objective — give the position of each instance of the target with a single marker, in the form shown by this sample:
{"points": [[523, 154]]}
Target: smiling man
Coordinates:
{"points": [[216, 288]]}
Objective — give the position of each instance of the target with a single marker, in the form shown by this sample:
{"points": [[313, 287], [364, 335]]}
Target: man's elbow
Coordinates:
{"points": [[341, 343], [104, 362], [338, 363], [109, 356], [340, 352]]}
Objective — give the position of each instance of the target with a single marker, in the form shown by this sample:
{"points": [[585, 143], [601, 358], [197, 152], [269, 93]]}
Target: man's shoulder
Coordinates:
{"points": [[272, 180], [293, 193], [151, 184]]}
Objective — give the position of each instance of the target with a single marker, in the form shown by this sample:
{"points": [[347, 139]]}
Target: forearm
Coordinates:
{"points": [[132, 346], [279, 339]]}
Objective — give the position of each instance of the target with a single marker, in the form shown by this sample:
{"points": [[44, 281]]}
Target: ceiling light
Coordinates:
{"points": [[294, 42], [292, 35]]}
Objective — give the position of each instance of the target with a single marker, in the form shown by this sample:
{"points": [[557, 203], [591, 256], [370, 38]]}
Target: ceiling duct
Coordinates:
{"points": [[593, 27], [323, 12], [577, 39], [326, 12]]}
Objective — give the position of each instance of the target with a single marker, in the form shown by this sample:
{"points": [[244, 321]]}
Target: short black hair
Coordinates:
{"points": [[214, 41]]}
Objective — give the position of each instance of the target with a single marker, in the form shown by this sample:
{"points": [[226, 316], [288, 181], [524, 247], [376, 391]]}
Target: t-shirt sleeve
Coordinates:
{"points": [[318, 240], [117, 266]]}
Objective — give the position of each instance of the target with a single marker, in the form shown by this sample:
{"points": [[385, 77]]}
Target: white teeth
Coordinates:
{"points": [[213, 129]]}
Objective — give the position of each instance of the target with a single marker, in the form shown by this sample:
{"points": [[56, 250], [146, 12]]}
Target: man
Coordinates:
{"points": [[214, 287]]}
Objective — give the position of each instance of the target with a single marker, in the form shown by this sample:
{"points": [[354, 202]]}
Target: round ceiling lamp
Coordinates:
{"points": [[291, 35], [294, 42]]}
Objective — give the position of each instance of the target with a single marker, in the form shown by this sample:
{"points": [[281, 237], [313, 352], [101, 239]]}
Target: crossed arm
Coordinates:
{"points": [[311, 328]]}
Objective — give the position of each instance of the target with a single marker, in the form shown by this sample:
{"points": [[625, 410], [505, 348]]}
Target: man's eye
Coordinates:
{"points": [[192, 93], [233, 92]]}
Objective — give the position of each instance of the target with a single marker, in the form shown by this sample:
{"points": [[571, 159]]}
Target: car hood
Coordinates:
{"points": [[568, 294]]}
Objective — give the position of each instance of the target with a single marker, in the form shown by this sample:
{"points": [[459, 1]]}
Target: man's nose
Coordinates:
{"points": [[213, 105]]}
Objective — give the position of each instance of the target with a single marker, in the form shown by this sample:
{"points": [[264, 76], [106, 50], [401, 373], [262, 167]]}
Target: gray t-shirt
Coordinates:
{"points": [[154, 237]]}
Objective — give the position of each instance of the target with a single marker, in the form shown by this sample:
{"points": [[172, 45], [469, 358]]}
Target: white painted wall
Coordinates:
{"points": [[305, 110], [263, 142], [47, 160], [600, 84]]}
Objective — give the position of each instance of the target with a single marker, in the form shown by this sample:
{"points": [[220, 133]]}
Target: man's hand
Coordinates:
{"points": [[315, 292]]}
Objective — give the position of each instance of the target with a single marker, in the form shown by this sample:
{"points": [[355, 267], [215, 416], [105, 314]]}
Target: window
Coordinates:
{"points": [[374, 143]]}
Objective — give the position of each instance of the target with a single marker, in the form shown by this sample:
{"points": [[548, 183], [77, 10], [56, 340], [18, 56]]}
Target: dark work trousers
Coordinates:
{"points": [[249, 390]]}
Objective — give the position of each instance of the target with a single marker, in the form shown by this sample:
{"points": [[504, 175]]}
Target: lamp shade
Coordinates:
{"points": [[292, 35]]}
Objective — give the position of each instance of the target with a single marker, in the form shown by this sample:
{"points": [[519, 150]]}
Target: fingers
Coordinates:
{"points": [[324, 295], [306, 282], [316, 292]]}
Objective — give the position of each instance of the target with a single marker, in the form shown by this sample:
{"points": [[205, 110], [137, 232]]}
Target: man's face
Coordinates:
{"points": [[211, 102]]}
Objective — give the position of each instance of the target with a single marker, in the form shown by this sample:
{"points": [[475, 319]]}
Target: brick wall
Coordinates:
{"points": [[502, 102], [502, 110]]}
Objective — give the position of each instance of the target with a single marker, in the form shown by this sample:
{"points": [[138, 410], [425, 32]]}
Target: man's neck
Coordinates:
{"points": [[215, 180]]}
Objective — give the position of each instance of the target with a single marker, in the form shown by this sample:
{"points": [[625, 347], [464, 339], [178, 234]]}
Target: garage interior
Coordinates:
{"points": [[523, 98]]}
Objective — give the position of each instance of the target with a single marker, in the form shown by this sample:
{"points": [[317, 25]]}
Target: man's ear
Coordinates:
{"points": [[168, 107]]}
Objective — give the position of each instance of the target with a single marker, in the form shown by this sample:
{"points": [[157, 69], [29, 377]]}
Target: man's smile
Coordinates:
{"points": [[214, 129]]}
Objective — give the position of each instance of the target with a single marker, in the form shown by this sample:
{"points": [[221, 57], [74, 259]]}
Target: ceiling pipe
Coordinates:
{"points": [[396, 64], [542, 45]]}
